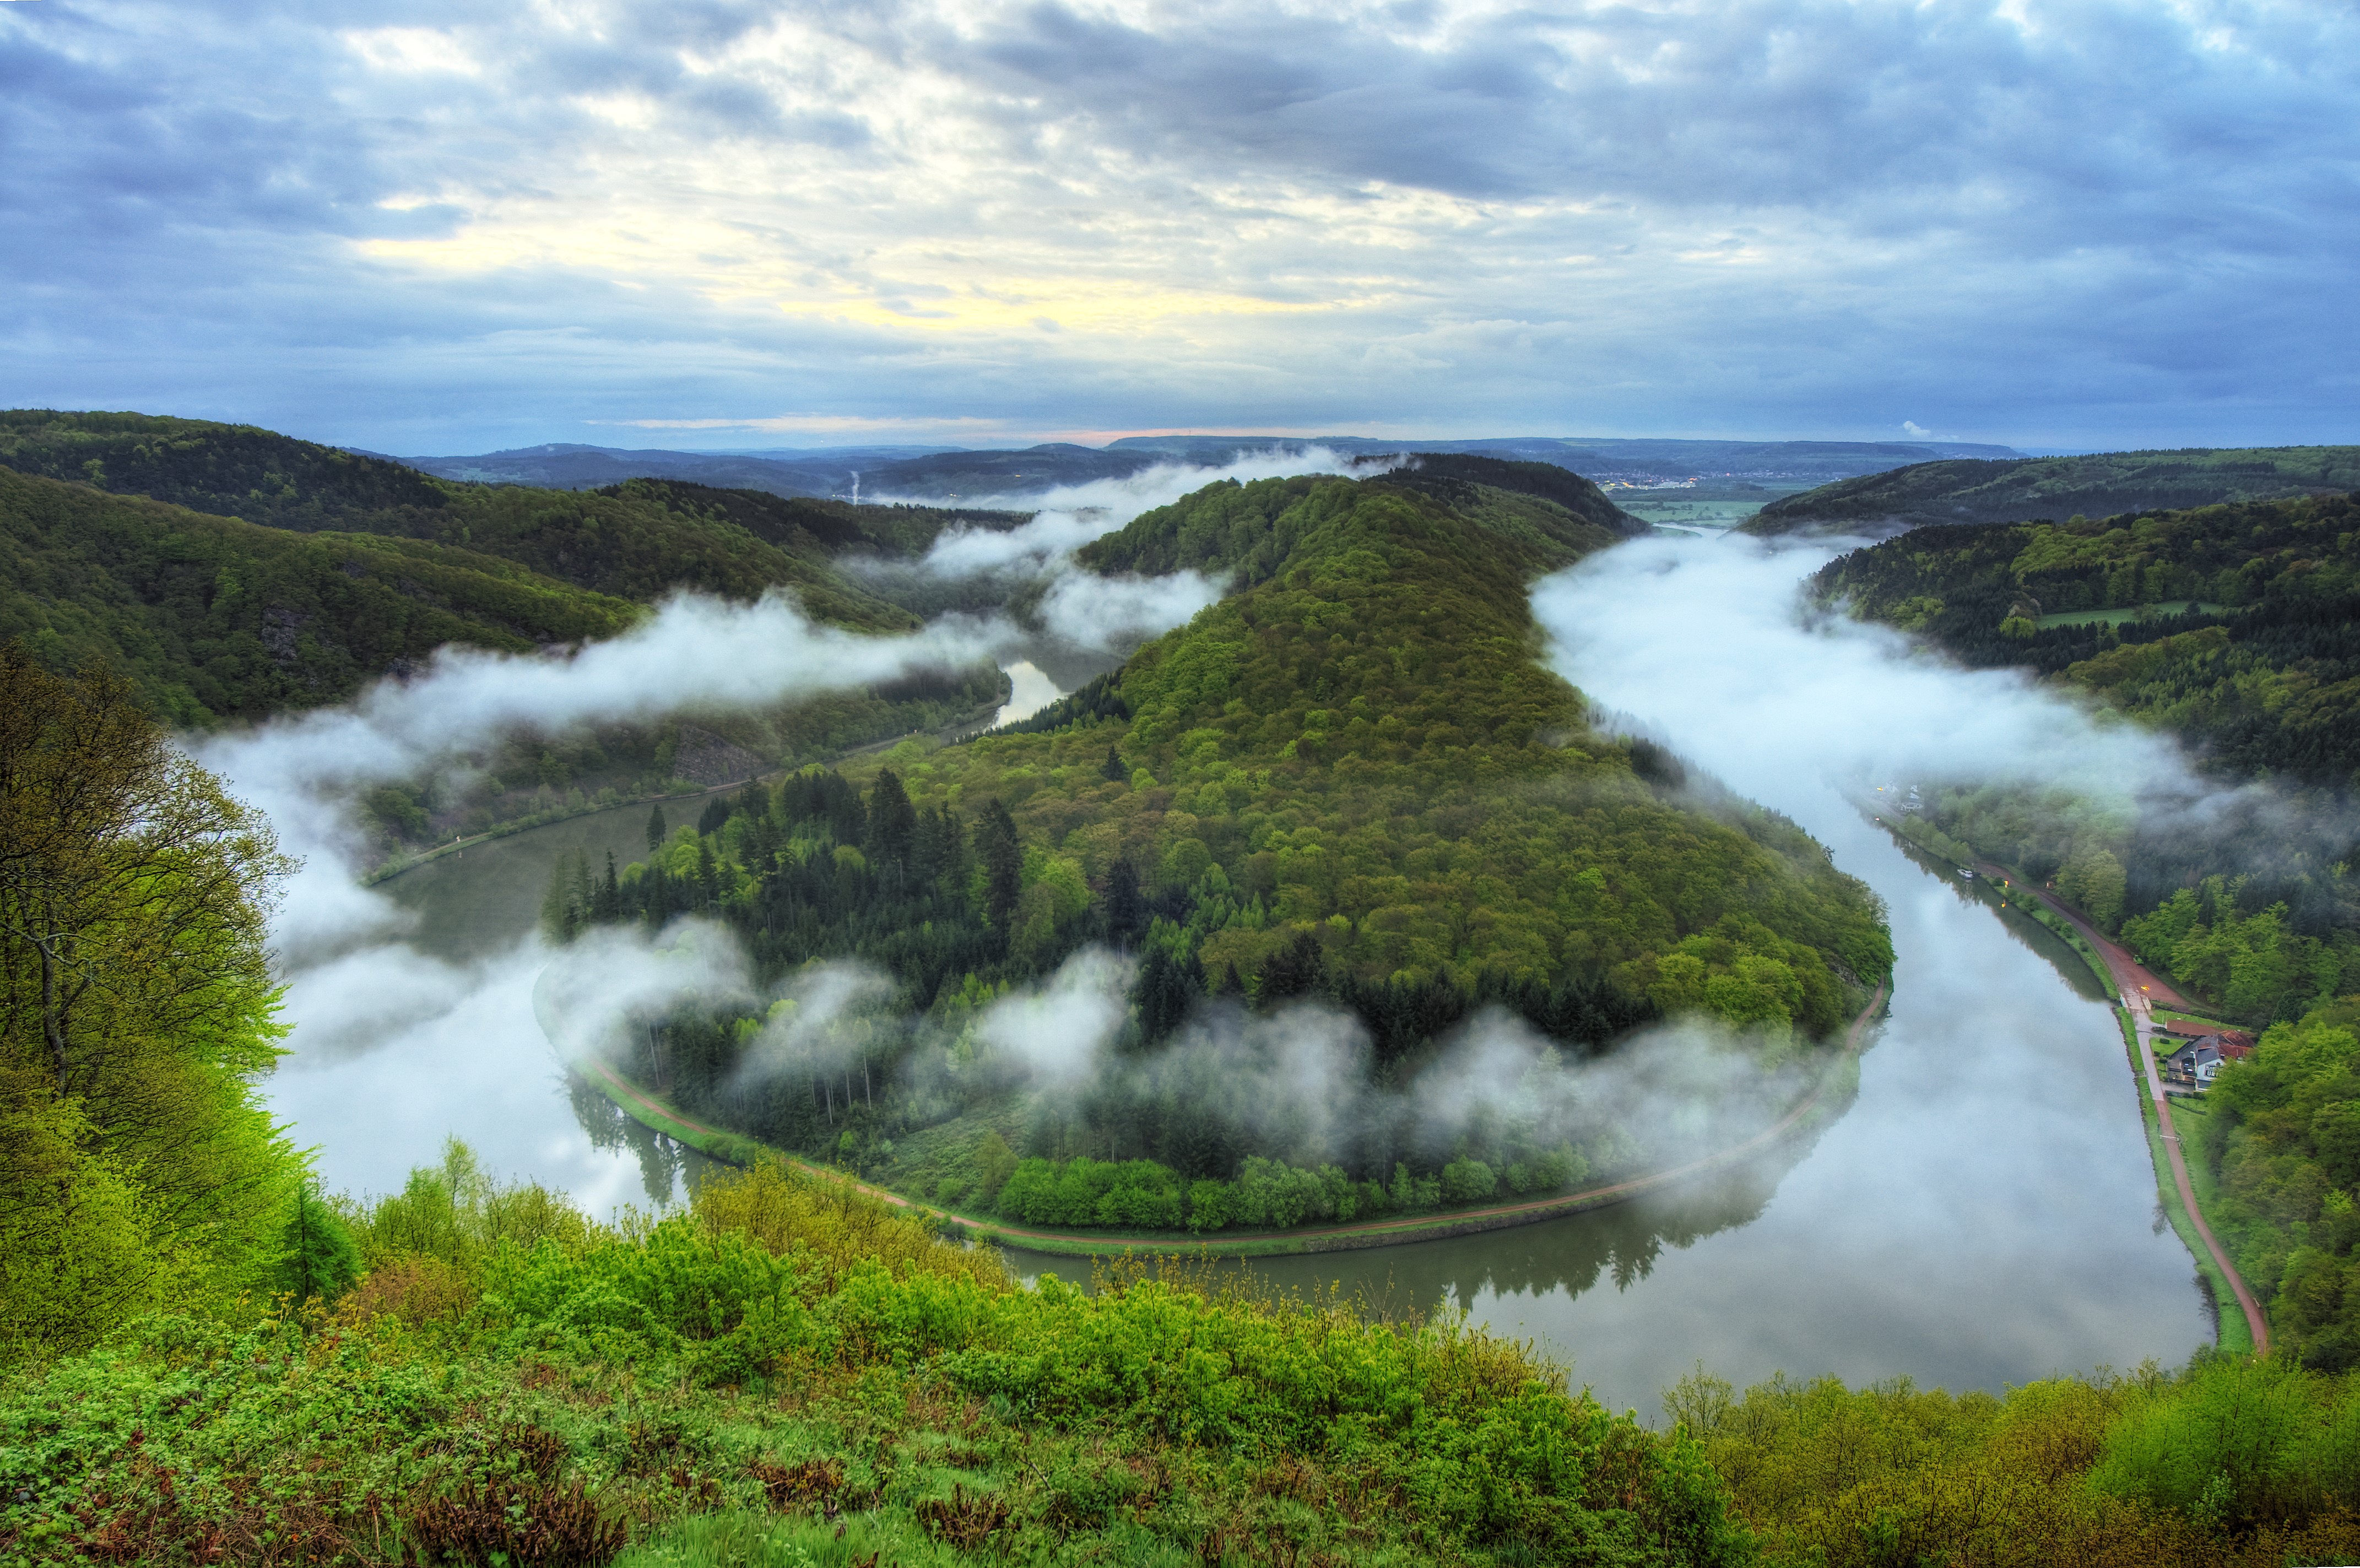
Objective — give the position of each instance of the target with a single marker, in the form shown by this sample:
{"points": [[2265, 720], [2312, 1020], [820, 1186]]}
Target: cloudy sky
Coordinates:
{"points": [[441, 227]]}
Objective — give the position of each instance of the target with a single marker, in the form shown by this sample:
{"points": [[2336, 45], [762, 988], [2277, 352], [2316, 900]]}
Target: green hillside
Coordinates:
{"points": [[2233, 627], [2055, 488], [1354, 777], [633, 541], [238, 470], [284, 575], [2236, 626], [215, 619]]}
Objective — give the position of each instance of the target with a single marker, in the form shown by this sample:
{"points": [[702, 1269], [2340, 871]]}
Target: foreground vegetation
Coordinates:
{"points": [[788, 1373], [2280, 1135]]}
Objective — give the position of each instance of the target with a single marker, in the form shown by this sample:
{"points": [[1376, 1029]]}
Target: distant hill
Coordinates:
{"points": [[2054, 489], [963, 475], [215, 618], [565, 466], [236, 471], [633, 544]]}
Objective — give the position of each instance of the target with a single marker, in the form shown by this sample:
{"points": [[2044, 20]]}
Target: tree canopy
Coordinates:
{"points": [[139, 1011]]}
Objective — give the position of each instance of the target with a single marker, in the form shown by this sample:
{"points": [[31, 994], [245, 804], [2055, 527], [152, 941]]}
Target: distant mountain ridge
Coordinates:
{"points": [[2093, 484], [955, 475]]}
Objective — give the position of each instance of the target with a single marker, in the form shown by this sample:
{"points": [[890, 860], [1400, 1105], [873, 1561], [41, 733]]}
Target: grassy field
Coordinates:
{"points": [[1702, 509], [2128, 613]]}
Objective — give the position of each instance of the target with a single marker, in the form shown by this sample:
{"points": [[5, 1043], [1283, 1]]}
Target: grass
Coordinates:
{"points": [[2235, 1334], [2168, 1015], [2127, 612], [792, 1373]]}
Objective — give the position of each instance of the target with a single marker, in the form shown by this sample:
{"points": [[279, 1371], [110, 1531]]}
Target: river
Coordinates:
{"points": [[1984, 1213]]}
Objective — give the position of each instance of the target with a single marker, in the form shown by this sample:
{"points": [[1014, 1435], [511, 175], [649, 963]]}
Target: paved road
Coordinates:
{"points": [[2140, 988], [1376, 1231]]}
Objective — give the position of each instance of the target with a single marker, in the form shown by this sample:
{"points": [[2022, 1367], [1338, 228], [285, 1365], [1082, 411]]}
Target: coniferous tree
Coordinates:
{"points": [[318, 1257], [1002, 854], [657, 831], [1126, 912]]}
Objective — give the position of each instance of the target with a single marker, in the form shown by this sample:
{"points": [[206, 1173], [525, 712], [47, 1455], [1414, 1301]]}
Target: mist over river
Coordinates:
{"points": [[1984, 1213]]}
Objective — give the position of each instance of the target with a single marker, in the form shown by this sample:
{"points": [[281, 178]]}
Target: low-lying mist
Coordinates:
{"points": [[358, 982]]}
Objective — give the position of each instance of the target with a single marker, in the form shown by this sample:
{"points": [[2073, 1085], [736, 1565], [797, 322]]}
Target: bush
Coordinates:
{"points": [[1466, 1181]]}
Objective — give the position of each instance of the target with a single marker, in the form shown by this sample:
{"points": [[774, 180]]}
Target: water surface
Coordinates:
{"points": [[1983, 1214]]}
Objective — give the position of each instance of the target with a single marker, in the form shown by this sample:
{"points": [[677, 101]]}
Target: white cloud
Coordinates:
{"points": [[1230, 212]]}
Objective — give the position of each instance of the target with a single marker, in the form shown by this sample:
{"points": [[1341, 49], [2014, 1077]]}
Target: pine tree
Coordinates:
{"points": [[1125, 910], [318, 1257], [657, 831], [1003, 853]]}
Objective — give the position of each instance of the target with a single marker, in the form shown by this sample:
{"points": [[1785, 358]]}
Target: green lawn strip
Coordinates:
{"points": [[2117, 615], [2236, 1336], [2187, 1119]]}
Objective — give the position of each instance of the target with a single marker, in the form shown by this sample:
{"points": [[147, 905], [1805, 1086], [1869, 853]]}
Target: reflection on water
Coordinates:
{"points": [[1981, 1215], [1030, 691], [458, 1052]]}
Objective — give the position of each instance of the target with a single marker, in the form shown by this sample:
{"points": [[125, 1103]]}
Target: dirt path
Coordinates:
{"points": [[1370, 1232], [2140, 988]]}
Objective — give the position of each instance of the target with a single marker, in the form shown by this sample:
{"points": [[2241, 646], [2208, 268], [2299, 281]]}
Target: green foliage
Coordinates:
{"points": [[710, 1382], [2279, 1134], [2246, 643], [213, 618], [236, 471], [317, 1258], [136, 1010], [1967, 491], [635, 541], [1363, 745], [2229, 1463]]}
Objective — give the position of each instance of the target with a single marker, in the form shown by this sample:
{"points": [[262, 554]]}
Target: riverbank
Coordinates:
{"points": [[2243, 1326], [949, 734], [654, 1112]]}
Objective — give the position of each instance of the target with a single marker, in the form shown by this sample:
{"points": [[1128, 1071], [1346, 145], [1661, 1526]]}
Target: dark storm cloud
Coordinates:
{"points": [[2075, 221]]}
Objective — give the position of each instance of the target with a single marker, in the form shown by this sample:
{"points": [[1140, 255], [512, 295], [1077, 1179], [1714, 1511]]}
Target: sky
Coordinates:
{"points": [[435, 227]]}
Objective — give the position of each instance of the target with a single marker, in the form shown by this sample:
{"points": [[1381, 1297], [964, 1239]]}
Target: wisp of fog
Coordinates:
{"points": [[1778, 701], [357, 986]]}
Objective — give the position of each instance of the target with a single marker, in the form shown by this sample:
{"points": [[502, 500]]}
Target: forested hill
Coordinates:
{"points": [[2056, 488], [1353, 778], [232, 470], [2234, 627], [634, 541], [2238, 626], [1538, 517], [214, 618]]}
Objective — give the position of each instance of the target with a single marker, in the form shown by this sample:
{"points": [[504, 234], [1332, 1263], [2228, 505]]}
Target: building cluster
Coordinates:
{"points": [[2198, 1049]]}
